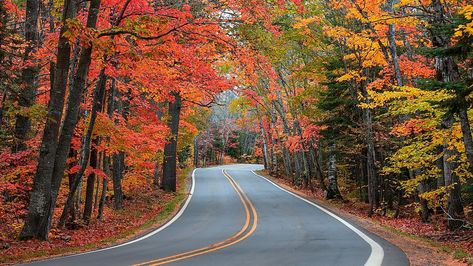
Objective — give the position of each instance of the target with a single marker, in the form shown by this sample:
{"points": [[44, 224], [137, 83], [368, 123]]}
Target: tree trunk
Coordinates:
{"points": [[89, 192], [106, 157], [38, 218], [425, 212], [392, 46], [168, 180], [71, 178], [332, 189], [447, 71], [117, 173], [106, 169], [452, 182], [314, 156], [466, 130], [97, 187], [287, 132], [29, 74], [266, 158], [373, 189], [196, 152], [97, 102]]}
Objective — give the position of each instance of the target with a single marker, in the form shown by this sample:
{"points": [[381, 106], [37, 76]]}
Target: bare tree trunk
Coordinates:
{"points": [[168, 180]]}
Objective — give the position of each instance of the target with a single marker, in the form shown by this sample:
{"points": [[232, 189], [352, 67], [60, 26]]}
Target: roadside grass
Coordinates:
{"points": [[166, 211]]}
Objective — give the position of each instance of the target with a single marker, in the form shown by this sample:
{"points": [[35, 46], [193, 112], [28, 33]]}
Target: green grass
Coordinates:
{"points": [[167, 211]]}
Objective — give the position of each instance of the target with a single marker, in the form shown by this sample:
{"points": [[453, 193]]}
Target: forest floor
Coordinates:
{"points": [[418, 240], [144, 211]]}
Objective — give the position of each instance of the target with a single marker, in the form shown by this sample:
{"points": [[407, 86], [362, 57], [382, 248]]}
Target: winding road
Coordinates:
{"points": [[236, 217]]}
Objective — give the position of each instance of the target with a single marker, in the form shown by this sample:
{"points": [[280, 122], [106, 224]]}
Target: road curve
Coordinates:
{"points": [[235, 217]]}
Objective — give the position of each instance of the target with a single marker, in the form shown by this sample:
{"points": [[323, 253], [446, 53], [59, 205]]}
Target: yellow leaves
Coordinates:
{"points": [[364, 50], [352, 75], [405, 3], [465, 30], [435, 196], [336, 32], [353, 13], [467, 12], [417, 100], [304, 22]]}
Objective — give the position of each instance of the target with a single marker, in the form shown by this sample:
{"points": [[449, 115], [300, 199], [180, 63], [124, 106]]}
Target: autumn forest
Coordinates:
{"points": [[106, 106]]}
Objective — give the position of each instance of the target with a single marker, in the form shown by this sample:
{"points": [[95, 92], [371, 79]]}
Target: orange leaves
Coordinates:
{"points": [[293, 143], [418, 67], [413, 126], [312, 132]]}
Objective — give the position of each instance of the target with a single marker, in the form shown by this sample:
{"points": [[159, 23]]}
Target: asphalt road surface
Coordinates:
{"points": [[235, 217]]}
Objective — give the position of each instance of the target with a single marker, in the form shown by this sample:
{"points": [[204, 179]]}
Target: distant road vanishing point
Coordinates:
{"points": [[236, 217]]}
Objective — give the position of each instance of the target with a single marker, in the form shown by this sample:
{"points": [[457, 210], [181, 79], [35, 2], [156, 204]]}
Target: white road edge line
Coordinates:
{"points": [[377, 252], [161, 228]]}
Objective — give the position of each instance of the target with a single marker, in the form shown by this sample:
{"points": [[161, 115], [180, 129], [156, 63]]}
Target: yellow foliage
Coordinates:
{"points": [[465, 30]]}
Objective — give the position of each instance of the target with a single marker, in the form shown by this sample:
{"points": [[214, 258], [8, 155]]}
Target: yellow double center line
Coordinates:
{"points": [[248, 228]]}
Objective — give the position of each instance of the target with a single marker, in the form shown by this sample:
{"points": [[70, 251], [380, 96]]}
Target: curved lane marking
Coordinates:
{"points": [[225, 243], [377, 252]]}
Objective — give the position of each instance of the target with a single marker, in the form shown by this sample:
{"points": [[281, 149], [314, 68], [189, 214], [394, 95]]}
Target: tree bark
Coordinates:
{"points": [[97, 102], [332, 189], [452, 182], [106, 169], [29, 74], [447, 72], [168, 180], [118, 161], [106, 157], [266, 158], [38, 218], [466, 131], [72, 117], [89, 192], [392, 46], [196, 152], [373, 189], [117, 173]]}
